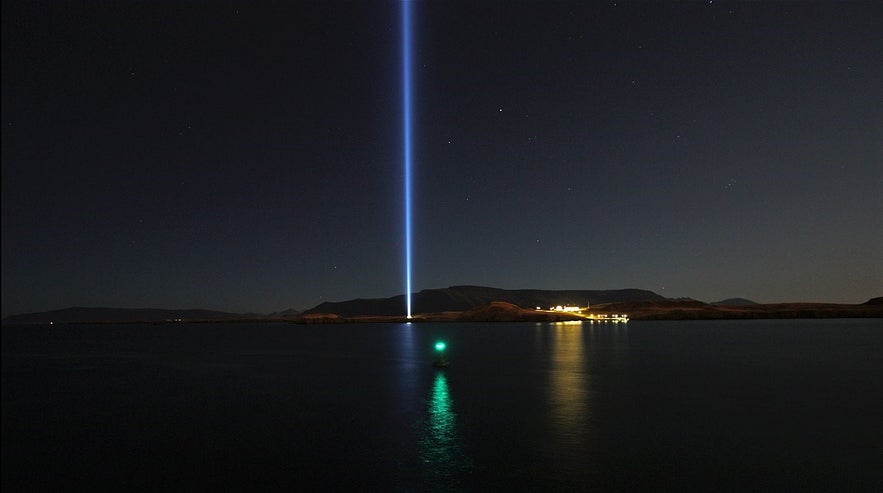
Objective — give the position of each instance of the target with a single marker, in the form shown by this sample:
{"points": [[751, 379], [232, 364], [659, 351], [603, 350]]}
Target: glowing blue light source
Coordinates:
{"points": [[406, 134]]}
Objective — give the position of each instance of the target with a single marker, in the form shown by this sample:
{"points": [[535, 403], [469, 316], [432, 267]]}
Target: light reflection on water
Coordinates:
{"points": [[408, 365], [652, 406], [569, 385], [441, 447], [581, 359], [425, 398]]}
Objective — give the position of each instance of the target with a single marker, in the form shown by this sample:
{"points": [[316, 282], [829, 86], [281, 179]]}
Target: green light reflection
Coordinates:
{"points": [[441, 448]]}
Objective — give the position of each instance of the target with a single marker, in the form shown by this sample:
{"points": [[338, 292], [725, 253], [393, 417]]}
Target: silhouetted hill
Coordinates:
{"points": [[79, 314], [500, 311], [687, 310], [464, 298], [291, 312], [476, 303], [733, 302]]}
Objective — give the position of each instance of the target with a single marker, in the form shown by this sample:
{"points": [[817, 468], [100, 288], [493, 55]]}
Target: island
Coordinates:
{"points": [[480, 304]]}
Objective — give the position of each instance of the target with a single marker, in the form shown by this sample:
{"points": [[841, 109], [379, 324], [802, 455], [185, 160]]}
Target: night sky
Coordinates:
{"points": [[247, 156]]}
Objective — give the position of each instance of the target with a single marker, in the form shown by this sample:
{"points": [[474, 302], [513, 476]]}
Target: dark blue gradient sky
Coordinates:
{"points": [[247, 156]]}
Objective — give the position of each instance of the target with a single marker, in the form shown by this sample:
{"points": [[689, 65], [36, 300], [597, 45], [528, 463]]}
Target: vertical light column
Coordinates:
{"points": [[406, 138]]}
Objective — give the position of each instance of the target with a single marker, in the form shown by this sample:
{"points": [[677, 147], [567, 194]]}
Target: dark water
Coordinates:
{"points": [[793, 405]]}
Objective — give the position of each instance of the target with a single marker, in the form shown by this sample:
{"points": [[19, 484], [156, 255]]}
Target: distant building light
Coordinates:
{"points": [[568, 309]]}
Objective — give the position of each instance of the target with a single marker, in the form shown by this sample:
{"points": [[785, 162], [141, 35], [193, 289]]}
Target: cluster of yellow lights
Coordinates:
{"points": [[603, 317], [614, 316], [560, 308]]}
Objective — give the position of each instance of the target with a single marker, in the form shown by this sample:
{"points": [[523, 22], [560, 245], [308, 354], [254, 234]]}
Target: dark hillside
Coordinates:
{"points": [[79, 314], [463, 298]]}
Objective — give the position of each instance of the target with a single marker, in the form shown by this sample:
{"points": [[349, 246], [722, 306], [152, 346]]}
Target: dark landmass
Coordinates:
{"points": [[471, 297], [80, 314], [484, 304], [639, 310], [464, 298], [495, 311], [734, 302], [291, 312], [687, 310]]}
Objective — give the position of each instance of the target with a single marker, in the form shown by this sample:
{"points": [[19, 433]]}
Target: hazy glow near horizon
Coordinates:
{"points": [[406, 138]]}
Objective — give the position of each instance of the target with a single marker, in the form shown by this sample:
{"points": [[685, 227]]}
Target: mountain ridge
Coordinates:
{"points": [[471, 303], [734, 302], [82, 314], [467, 297]]}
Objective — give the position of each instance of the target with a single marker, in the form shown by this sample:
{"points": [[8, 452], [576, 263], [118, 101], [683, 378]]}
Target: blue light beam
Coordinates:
{"points": [[406, 139]]}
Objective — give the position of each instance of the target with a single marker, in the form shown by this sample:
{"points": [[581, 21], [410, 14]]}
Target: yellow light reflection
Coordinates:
{"points": [[569, 386]]}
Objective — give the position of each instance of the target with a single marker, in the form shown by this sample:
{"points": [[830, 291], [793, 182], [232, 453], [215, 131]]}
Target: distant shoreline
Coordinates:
{"points": [[507, 312], [658, 310]]}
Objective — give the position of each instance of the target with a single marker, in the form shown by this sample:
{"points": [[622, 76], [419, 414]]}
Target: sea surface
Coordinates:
{"points": [[770, 405]]}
